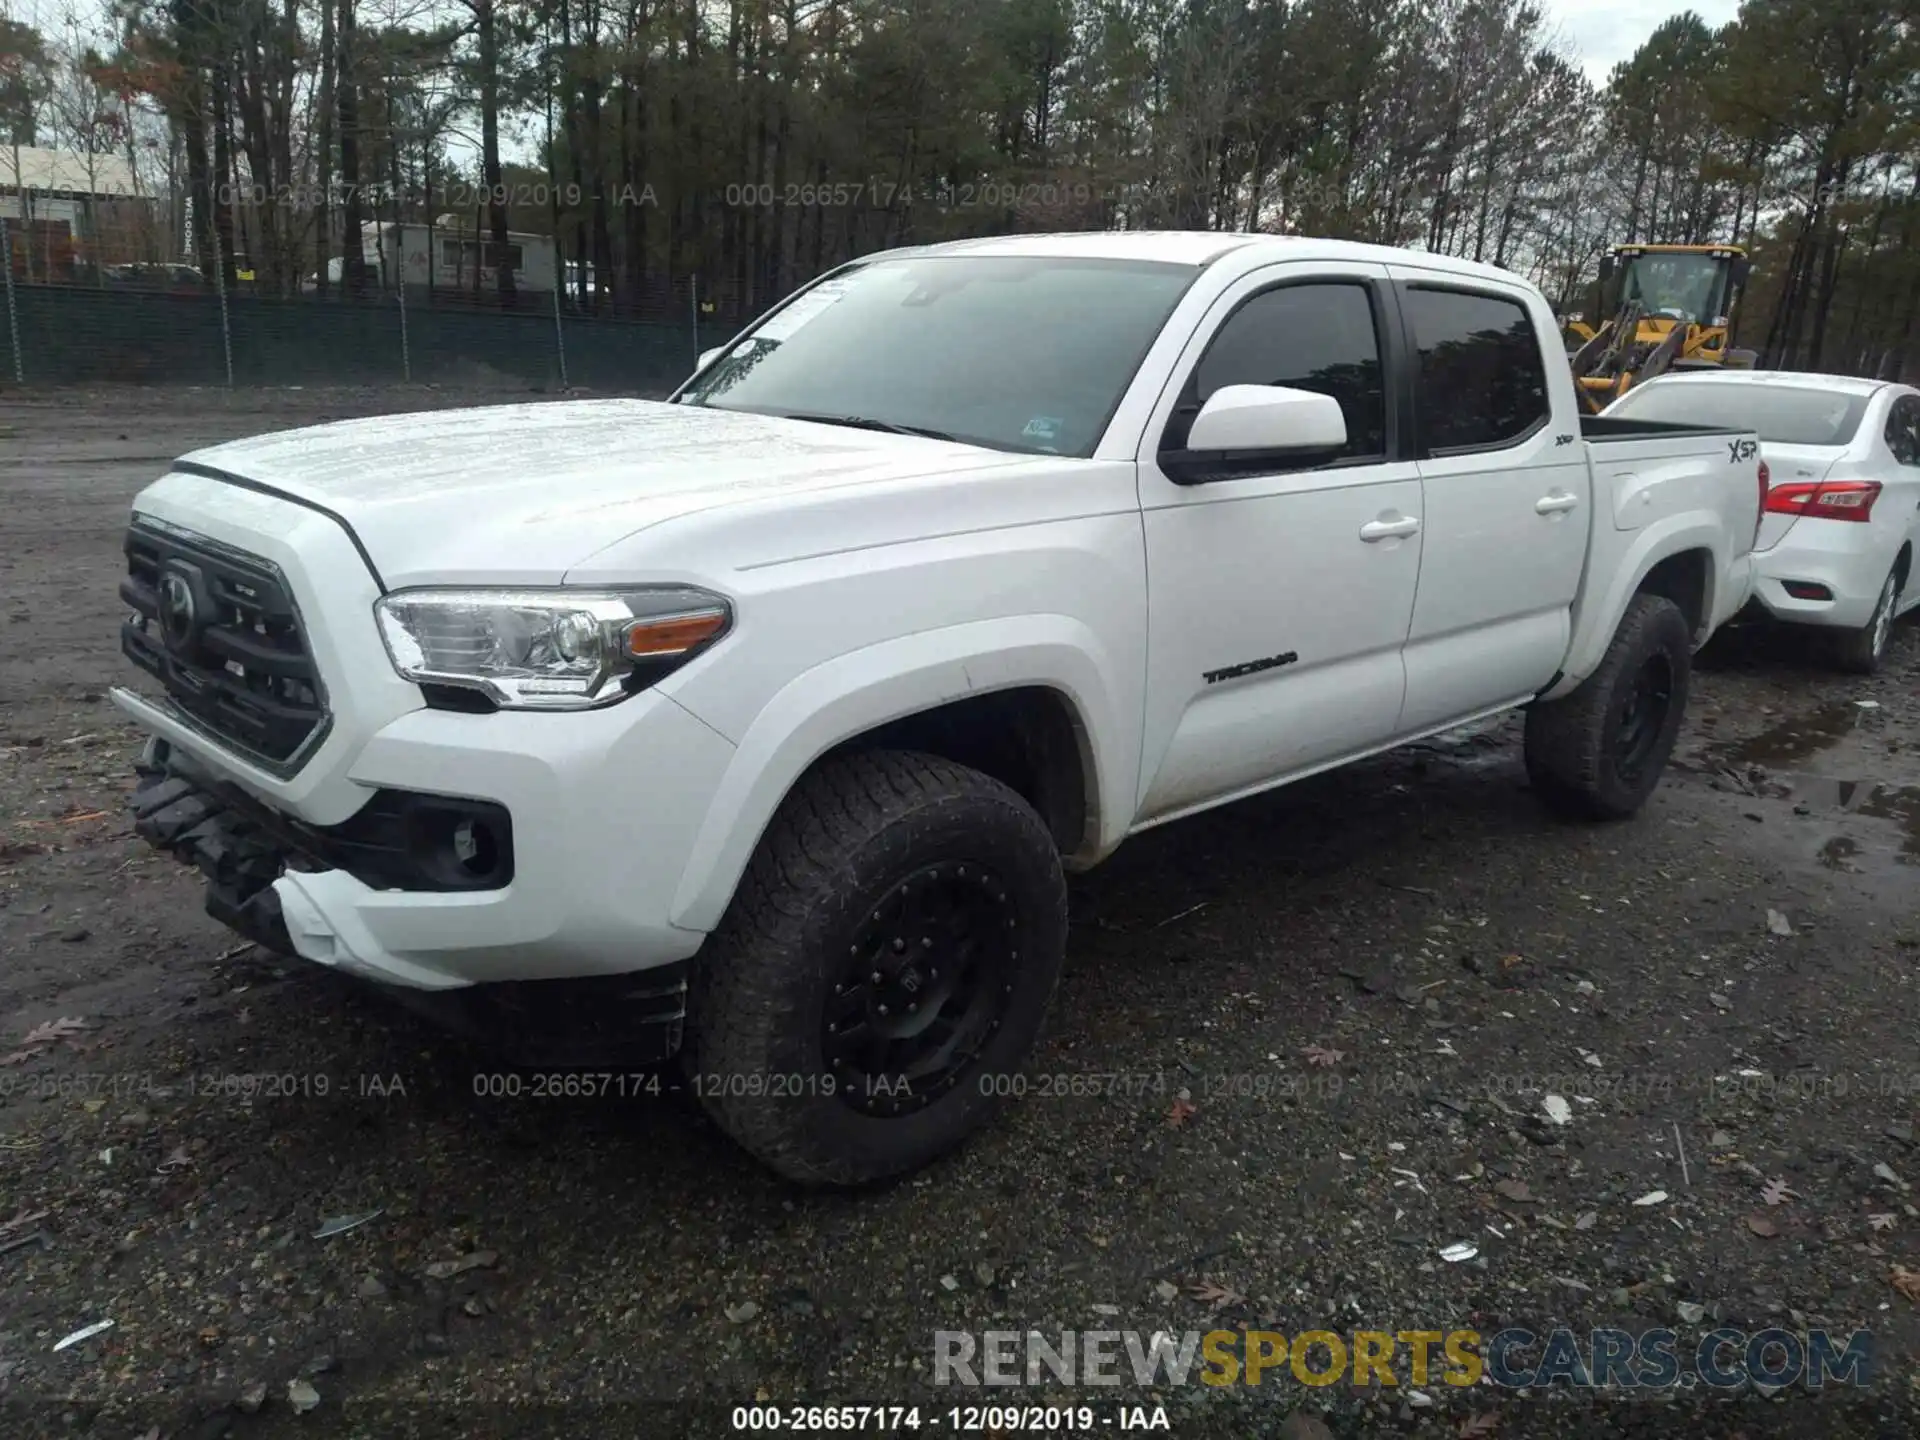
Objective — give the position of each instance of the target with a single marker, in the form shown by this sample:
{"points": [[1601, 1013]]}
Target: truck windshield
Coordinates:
{"points": [[1682, 287], [1017, 353], [1782, 414]]}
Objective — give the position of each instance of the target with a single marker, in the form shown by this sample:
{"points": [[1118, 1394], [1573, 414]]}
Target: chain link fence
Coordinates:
{"points": [[168, 324]]}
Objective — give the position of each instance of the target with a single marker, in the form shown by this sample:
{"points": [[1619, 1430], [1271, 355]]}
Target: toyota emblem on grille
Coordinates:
{"points": [[177, 609]]}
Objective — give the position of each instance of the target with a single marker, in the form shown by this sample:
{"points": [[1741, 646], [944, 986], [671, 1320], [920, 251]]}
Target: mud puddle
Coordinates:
{"points": [[1835, 781]]}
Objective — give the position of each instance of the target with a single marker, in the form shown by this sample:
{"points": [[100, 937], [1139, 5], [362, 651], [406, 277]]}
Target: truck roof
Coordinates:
{"points": [[1202, 247]]}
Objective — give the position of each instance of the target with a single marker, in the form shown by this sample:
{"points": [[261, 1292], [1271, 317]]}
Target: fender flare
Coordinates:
{"points": [[1594, 626], [853, 693]]}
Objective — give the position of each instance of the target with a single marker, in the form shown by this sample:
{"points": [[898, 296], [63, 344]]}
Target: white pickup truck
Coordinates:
{"points": [[760, 724]]}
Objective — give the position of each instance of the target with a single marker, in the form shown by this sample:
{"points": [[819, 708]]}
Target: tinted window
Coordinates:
{"points": [[1482, 381], [1780, 414], [1903, 430], [1307, 337], [1016, 352]]}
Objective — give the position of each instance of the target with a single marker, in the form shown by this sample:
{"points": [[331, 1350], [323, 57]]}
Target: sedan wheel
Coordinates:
{"points": [[1862, 650]]}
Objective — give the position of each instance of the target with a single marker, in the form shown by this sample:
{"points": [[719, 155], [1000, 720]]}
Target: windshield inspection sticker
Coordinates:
{"points": [[1042, 427]]}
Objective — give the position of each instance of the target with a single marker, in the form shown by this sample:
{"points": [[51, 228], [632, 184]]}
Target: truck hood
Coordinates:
{"points": [[519, 494]]}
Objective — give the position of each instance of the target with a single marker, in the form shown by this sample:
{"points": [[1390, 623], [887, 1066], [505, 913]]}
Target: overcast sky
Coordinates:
{"points": [[1604, 32]]}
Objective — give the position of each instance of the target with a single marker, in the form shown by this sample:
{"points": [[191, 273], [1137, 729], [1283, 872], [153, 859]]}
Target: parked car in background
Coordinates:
{"points": [[147, 275], [1842, 523]]}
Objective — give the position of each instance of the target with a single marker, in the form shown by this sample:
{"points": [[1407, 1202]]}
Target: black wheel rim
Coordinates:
{"points": [[924, 984], [1644, 716]]}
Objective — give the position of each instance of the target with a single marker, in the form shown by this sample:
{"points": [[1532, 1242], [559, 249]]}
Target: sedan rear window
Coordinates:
{"points": [[1782, 414]]}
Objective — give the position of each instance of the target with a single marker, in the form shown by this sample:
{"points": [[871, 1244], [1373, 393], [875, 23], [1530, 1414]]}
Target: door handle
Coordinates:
{"points": [[1553, 504], [1375, 531]]}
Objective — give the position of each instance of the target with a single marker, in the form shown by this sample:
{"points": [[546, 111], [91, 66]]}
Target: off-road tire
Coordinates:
{"points": [[1571, 751], [838, 847], [1860, 652]]}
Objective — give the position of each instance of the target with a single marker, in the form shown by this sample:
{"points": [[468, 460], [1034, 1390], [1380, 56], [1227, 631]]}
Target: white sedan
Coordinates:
{"points": [[1842, 522]]}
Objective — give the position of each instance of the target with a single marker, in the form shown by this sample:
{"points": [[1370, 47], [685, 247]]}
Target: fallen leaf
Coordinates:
{"points": [[20, 1057], [1778, 923], [1586, 1220], [177, 1159], [1474, 1427], [447, 1269], [1907, 1282], [1212, 1292], [49, 1031], [1515, 1190], [1323, 1056], [1652, 1197], [23, 1219], [1762, 1226], [1882, 1221], [1775, 1192], [1180, 1112]]}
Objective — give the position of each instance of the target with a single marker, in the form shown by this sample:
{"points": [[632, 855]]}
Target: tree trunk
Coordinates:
{"points": [[323, 219], [353, 267], [489, 39]]}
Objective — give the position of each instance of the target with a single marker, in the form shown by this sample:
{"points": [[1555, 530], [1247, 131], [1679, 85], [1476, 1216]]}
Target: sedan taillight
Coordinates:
{"points": [[1826, 499]]}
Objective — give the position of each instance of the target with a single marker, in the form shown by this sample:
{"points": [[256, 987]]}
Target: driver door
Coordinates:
{"points": [[1280, 591]]}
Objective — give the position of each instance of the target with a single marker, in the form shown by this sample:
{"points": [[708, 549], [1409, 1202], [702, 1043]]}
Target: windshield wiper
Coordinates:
{"points": [[867, 422]]}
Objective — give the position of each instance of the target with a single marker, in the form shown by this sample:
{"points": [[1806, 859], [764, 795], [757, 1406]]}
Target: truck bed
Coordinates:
{"points": [[1605, 429]]}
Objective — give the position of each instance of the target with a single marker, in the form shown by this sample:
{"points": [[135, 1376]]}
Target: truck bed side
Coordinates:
{"points": [[1675, 509]]}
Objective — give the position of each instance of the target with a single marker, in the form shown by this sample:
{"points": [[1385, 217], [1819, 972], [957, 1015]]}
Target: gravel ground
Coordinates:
{"points": [[1180, 1162]]}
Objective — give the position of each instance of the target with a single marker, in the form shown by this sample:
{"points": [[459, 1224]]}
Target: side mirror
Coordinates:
{"points": [[707, 357], [1269, 419], [1606, 268], [1742, 269]]}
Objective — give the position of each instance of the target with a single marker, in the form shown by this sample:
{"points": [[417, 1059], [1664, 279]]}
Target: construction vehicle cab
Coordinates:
{"points": [[1670, 307]]}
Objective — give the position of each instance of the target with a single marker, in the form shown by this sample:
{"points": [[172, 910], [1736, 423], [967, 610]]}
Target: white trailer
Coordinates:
{"points": [[449, 257]]}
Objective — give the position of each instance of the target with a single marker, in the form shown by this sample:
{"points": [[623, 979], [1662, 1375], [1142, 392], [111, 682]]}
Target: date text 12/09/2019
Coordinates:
{"points": [[956, 1419]]}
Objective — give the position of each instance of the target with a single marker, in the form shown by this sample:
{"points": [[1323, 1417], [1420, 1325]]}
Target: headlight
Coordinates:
{"points": [[548, 649]]}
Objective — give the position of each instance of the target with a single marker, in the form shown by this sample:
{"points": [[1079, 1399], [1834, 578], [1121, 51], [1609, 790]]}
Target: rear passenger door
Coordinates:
{"points": [[1505, 496]]}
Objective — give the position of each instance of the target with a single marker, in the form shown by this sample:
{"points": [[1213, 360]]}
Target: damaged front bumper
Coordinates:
{"points": [[291, 888]]}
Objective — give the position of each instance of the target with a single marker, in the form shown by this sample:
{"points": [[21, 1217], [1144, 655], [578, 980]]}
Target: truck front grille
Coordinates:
{"points": [[219, 630]]}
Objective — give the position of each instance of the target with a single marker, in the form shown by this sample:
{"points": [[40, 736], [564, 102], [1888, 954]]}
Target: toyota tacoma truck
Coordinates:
{"points": [[759, 726]]}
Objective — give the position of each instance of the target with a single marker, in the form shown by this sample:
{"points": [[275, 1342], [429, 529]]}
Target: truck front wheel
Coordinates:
{"points": [[1598, 752], [872, 992]]}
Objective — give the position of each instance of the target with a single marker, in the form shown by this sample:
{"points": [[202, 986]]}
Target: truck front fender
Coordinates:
{"points": [[1597, 616], [843, 698]]}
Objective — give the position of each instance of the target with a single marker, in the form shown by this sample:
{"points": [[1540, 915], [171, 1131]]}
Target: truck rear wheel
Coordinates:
{"points": [[882, 972], [1598, 752]]}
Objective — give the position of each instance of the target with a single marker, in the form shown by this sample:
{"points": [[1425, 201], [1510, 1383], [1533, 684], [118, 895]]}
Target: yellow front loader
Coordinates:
{"points": [[1673, 309]]}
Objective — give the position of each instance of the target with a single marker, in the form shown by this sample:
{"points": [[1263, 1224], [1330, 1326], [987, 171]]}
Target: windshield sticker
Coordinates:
{"points": [[804, 308], [1044, 428]]}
